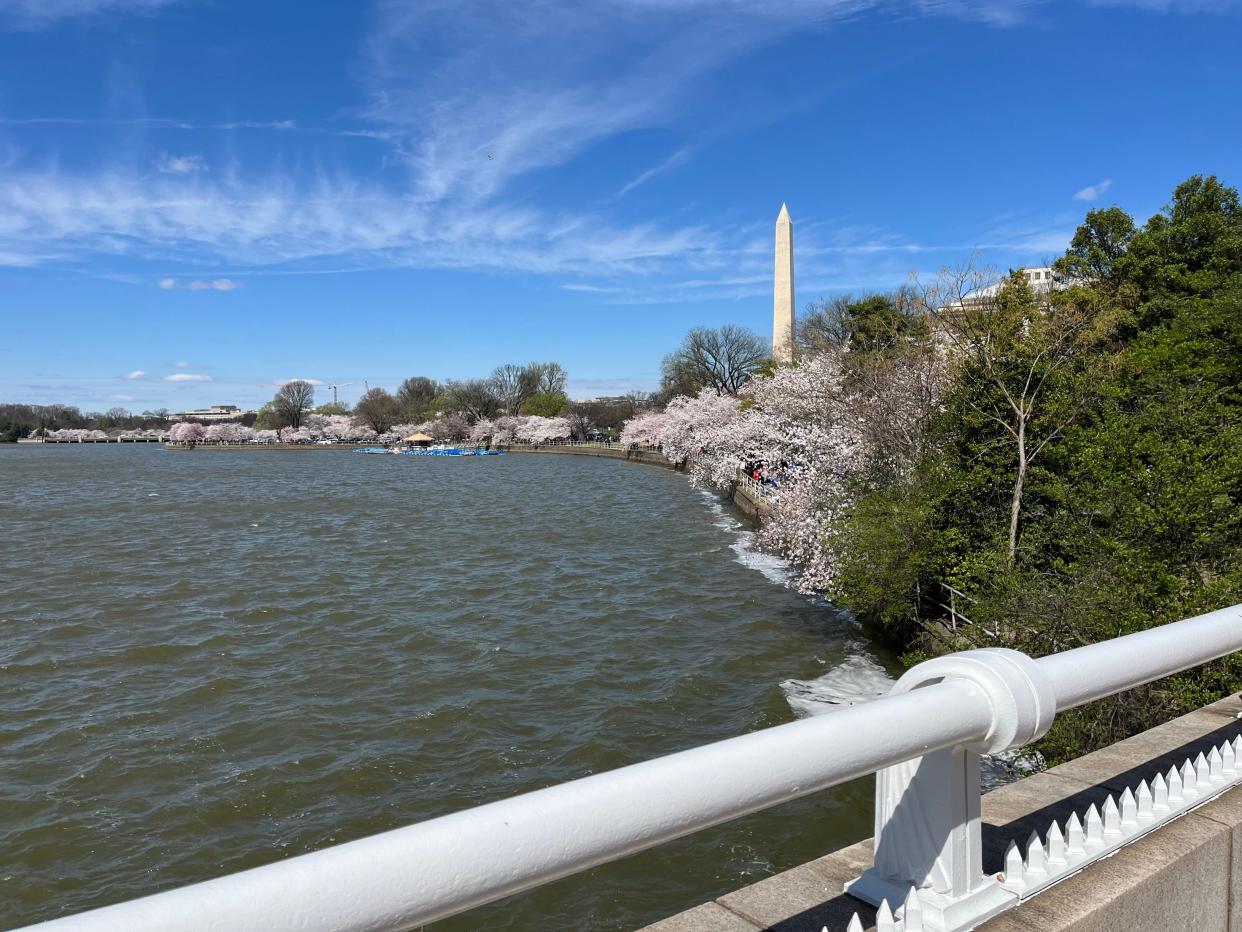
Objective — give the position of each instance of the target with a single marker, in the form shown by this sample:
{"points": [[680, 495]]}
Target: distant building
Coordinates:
{"points": [[214, 413], [1040, 279]]}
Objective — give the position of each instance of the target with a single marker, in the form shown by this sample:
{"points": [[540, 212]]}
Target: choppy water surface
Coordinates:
{"points": [[211, 661]]}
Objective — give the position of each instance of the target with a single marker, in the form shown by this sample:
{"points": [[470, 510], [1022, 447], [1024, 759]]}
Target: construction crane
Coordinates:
{"points": [[337, 385]]}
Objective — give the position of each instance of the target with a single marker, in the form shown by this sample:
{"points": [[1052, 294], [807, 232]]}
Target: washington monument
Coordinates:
{"points": [[783, 290]]}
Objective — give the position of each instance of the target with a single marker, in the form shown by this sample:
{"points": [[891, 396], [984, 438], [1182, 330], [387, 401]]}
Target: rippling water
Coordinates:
{"points": [[214, 660]]}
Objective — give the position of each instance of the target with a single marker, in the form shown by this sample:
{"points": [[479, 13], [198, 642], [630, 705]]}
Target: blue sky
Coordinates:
{"points": [[202, 198]]}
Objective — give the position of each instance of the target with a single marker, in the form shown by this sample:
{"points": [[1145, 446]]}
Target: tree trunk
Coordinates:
{"points": [[1015, 505]]}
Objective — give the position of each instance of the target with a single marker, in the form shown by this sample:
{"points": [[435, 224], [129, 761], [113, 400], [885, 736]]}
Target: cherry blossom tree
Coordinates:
{"points": [[228, 433], [505, 430], [646, 427], [482, 430], [821, 430], [536, 429], [187, 432], [451, 428], [401, 431]]}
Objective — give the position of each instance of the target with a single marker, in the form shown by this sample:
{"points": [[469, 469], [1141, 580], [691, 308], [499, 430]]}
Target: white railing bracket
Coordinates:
{"points": [[927, 831]]}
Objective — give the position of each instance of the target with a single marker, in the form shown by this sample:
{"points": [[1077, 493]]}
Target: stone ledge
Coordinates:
{"points": [[1182, 876]]}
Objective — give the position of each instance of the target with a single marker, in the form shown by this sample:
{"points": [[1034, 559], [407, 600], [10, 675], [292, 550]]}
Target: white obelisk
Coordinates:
{"points": [[783, 290]]}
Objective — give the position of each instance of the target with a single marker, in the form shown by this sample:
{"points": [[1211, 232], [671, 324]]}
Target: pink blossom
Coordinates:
{"points": [[535, 429], [814, 431], [187, 432], [646, 427]]}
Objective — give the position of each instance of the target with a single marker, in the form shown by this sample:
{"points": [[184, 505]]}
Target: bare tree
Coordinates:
{"points": [[551, 378], [862, 322], [580, 424], [721, 359], [1009, 345], [474, 398], [293, 401], [414, 397], [512, 385], [824, 325], [377, 409]]}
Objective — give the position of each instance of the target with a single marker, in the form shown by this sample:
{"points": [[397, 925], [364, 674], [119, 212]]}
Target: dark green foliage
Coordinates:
{"points": [[546, 404], [1132, 516]]}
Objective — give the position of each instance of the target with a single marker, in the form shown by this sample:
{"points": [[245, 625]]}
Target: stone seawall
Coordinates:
{"points": [[651, 457], [1184, 875], [750, 503], [302, 447]]}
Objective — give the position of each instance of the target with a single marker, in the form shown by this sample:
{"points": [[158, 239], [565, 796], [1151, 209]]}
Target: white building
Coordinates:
{"points": [[1039, 278], [214, 413]]}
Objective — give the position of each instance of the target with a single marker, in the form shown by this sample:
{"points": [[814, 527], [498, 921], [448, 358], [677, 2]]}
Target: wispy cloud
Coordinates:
{"points": [[187, 377], [504, 90], [136, 374], [272, 221], [1093, 191], [677, 158], [531, 85], [277, 383], [171, 123], [183, 365], [1177, 6], [201, 284], [35, 14], [180, 164], [216, 284]]}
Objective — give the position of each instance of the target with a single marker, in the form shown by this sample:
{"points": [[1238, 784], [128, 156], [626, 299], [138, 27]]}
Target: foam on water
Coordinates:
{"points": [[744, 548], [751, 557], [856, 679], [859, 678]]}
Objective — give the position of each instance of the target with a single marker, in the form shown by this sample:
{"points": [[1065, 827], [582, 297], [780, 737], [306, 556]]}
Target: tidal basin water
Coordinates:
{"points": [[214, 660]]}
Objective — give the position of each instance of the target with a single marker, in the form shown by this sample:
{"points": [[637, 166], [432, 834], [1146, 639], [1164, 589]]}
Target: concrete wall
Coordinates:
{"points": [[634, 456], [750, 503], [212, 447], [651, 457], [1185, 875]]}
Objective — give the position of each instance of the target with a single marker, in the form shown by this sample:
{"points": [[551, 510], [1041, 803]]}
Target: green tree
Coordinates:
{"points": [[1098, 244], [1131, 516], [546, 404], [267, 418], [378, 410], [1013, 354], [415, 397], [1193, 246]]}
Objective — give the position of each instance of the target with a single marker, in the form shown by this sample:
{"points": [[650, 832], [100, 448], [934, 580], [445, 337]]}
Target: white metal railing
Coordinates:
{"points": [[599, 444], [756, 488], [924, 739]]}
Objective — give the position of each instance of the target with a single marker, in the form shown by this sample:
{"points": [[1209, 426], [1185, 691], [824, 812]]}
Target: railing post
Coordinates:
{"points": [[927, 834]]}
